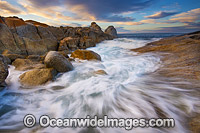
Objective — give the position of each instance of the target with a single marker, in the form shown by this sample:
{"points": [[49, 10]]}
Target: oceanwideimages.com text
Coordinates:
{"points": [[106, 122]]}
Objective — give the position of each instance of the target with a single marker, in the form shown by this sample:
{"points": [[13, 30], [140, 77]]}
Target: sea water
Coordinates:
{"points": [[128, 90]]}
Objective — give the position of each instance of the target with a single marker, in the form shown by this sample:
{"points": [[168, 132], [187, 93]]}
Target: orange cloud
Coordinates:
{"points": [[160, 14], [129, 23], [152, 21], [186, 17], [55, 12], [8, 9], [82, 13]]}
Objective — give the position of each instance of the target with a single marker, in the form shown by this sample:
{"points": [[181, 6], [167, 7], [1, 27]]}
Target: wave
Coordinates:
{"points": [[129, 90]]}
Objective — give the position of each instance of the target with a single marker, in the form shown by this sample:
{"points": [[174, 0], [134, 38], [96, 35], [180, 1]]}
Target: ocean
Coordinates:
{"points": [[148, 36], [129, 89]]}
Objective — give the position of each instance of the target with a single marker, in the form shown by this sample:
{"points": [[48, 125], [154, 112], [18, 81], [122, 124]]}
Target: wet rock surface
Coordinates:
{"points": [[86, 55], [3, 71], [58, 62], [37, 77], [181, 63], [25, 45]]}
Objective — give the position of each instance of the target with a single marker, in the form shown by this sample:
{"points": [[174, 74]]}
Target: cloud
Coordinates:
{"points": [[47, 12], [61, 16], [190, 27], [81, 12], [153, 21], [194, 25], [55, 11], [44, 3], [121, 13], [187, 17], [122, 30], [103, 10], [66, 24], [129, 23], [99, 7], [116, 18], [178, 29], [174, 5], [161, 14], [7, 8], [75, 25]]}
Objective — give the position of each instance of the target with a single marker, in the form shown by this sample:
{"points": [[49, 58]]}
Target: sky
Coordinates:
{"points": [[127, 16]]}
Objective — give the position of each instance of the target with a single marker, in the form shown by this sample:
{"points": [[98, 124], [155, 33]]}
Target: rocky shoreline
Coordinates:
{"points": [[180, 55], [44, 49], [180, 63]]}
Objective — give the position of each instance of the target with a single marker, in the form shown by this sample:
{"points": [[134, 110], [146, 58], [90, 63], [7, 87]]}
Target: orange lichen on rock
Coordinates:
{"points": [[36, 23], [13, 22], [181, 55], [85, 55]]}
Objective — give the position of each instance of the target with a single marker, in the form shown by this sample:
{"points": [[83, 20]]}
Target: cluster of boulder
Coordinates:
{"points": [[44, 49]]}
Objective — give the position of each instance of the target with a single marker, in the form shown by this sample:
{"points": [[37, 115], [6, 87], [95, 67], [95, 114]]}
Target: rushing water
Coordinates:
{"points": [[127, 91]]}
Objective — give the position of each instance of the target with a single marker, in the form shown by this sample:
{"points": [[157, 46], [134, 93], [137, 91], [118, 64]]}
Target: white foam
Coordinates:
{"points": [[124, 92]]}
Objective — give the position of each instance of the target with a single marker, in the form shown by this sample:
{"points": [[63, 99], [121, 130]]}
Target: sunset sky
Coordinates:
{"points": [[128, 16]]}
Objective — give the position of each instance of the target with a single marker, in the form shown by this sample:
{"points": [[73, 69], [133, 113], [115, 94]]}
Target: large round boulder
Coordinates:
{"points": [[37, 77], [57, 61], [86, 55], [3, 71]]}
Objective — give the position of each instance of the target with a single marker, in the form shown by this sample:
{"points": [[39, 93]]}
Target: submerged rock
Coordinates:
{"points": [[37, 77], [111, 31], [3, 71], [57, 61], [86, 55], [100, 72]]}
